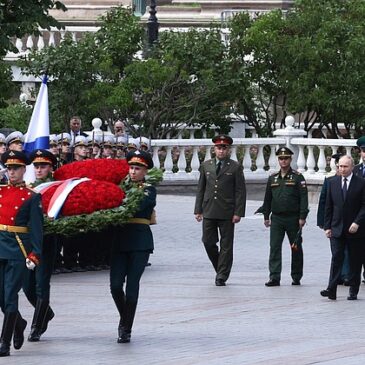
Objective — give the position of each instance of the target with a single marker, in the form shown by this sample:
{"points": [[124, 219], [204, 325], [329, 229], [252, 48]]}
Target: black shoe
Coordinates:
{"points": [[18, 337], [220, 282], [329, 294], [49, 316], [65, 270], [273, 282], [125, 336], [7, 332], [90, 268], [295, 282], [352, 297], [148, 264]]}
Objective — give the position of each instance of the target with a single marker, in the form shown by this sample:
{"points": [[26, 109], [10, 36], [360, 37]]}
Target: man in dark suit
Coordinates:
{"points": [[344, 224], [220, 203]]}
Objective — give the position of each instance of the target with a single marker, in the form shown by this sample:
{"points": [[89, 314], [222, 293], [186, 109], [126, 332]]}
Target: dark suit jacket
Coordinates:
{"points": [[358, 170], [222, 196], [340, 214]]}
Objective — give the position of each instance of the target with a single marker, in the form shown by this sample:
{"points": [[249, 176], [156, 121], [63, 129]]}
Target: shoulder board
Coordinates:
{"points": [[146, 185], [275, 173], [296, 172]]}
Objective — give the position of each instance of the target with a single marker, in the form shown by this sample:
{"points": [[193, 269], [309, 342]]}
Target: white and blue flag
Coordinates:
{"points": [[38, 130]]}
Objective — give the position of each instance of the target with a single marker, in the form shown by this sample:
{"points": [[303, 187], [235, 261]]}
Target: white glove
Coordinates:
{"points": [[30, 264]]}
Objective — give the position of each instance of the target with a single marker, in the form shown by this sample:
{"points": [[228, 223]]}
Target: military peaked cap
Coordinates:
{"points": [[140, 158], [284, 151], [14, 158], [222, 140]]}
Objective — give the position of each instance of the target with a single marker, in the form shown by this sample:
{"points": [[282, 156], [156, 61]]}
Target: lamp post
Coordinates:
{"points": [[152, 24]]}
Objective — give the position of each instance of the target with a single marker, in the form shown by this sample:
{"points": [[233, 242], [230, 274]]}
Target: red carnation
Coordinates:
{"points": [[110, 170]]}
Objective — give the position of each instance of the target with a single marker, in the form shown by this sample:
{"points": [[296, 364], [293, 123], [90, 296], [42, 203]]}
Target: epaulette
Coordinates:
{"points": [[296, 172], [146, 184], [275, 173]]}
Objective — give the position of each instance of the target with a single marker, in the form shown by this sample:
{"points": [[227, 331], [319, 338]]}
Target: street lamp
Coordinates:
{"points": [[152, 24]]}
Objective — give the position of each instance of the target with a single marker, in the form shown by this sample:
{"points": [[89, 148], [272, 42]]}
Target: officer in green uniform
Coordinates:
{"points": [[286, 200], [220, 203], [36, 284], [132, 245], [21, 233]]}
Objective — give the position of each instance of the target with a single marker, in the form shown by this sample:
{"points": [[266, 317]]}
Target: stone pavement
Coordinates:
{"points": [[184, 319]]}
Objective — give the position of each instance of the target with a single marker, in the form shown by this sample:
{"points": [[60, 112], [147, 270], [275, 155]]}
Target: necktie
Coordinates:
{"points": [[344, 188], [363, 170], [219, 165]]}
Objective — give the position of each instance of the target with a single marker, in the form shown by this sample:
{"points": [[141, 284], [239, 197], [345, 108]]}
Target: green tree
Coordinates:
{"points": [[19, 17], [16, 116]]}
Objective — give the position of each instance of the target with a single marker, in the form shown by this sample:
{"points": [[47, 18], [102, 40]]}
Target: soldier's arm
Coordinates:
{"points": [[36, 224], [200, 191], [303, 195], [240, 193], [266, 207]]}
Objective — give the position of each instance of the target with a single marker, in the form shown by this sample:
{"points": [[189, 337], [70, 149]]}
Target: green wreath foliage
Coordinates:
{"points": [[102, 219]]}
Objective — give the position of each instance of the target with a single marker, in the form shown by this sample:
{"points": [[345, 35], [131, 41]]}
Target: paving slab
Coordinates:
{"points": [[184, 319]]}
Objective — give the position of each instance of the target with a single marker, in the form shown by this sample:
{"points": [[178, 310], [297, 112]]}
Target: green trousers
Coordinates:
{"points": [[281, 224]]}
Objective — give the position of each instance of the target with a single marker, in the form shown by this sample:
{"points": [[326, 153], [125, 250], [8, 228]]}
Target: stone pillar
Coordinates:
{"points": [[288, 133]]}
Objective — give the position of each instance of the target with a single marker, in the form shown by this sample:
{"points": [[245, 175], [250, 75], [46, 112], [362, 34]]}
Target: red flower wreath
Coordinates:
{"points": [[87, 197], [110, 170]]}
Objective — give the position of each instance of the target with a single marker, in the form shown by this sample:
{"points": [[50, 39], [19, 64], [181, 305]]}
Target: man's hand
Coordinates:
{"points": [[328, 233], [236, 219], [199, 217], [32, 261], [301, 223], [353, 228], [267, 223]]}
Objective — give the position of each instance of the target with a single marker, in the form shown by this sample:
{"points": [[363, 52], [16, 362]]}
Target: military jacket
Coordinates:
{"points": [[359, 170], [286, 195], [20, 206], [136, 236], [221, 196]]}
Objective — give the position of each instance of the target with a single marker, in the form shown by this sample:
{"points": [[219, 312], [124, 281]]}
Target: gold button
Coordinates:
{"points": [[21, 188], [16, 208], [12, 218], [215, 197], [23, 199]]}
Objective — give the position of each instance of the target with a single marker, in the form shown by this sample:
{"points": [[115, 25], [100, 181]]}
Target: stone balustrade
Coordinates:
{"points": [[180, 158]]}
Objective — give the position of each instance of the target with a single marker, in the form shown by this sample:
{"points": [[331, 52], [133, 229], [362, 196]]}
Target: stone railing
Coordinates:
{"points": [[180, 158]]}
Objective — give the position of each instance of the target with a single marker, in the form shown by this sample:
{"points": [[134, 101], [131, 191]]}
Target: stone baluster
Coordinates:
{"points": [[260, 161], [51, 42], [40, 43], [181, 162], [192, 133], [333, 163], [30, 43], [311, 163], [208, 155], [348, 151], [273, 161], [204, 133], [62, 33], [155, 158], [74, 37], [321, 163], [301, 159], [247, 162], [19, 44], [195, 163], [234, 153], [168, 164]]}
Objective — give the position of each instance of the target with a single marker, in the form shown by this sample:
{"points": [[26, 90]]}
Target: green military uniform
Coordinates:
{"points": [[219, 197], [286, 200]]}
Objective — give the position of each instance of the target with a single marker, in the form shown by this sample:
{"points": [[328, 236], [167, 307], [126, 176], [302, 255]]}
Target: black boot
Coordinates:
{"points": [[119, 300], [18, 338], [49, 317], [7, 333], [127, 322], [38, 320]]}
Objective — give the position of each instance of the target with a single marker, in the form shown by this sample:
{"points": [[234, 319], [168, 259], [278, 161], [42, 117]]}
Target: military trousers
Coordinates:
{"points": [[11, 278], [221, 258], [281, 224], [127, 267], [37, 282]]}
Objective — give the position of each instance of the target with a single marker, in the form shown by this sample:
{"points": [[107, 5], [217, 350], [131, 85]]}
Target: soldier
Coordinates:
{"points": [[64, 146], [286, 200], [80, 149], [21, 232], [36, 285], [3, 173], [120, 143], [132, 145], [108, 147], [14, 141], [144, 144], [131, 246], [220, 204]]}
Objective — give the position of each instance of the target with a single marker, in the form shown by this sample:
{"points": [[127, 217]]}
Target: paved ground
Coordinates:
{"points": [[184, 319]]}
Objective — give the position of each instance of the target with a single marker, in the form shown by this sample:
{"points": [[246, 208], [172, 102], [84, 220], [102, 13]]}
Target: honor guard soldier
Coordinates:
{"points": [[36, 285], [21, 233], [108, 147], [64, 146], [132, 145], [220, 203], [144, 144], [121, 143], [80, 148], [285, 211], [131, 246], [14, 141], [3, 173]]}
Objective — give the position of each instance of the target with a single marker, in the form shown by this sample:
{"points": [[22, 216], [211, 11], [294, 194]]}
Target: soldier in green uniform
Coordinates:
{"points": [[21, 233], [286, 200], [220, 203], [36, 284], [132, 245]]}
